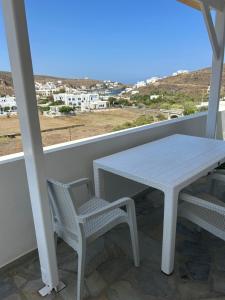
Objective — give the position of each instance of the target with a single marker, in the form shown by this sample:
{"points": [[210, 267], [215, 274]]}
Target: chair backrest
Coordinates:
{"points": [[63, 210]]}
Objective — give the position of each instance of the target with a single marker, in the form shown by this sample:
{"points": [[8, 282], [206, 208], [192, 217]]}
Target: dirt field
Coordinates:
{"points": [[92, 124]]}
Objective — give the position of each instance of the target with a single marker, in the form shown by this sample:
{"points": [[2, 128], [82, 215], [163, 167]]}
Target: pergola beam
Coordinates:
{"points": [[192, 3], [210, 28], [23, 79], [213, 4], [217, 38], [216, 78]]}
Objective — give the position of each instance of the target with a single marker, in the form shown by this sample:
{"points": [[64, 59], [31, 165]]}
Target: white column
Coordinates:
{"points": [[21, 65], [217, 69]]}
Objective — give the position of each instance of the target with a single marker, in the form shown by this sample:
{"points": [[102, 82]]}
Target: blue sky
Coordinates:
{"points": [[118, 40]]}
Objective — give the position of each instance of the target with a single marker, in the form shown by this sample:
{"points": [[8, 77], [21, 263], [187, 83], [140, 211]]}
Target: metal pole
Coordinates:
{"points": [[22, 72], [216, 79]]}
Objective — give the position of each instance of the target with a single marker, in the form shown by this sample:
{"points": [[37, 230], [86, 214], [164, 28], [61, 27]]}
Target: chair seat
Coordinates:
{"points": [[211, 221], [102, 223]]}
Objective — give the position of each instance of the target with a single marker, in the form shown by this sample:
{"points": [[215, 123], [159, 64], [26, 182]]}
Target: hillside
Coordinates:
{"points": [[194, 84], [6, 84]]}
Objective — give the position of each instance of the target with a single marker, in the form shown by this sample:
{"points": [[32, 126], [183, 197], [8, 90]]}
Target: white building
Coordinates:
{"points": [[7, 102], [129, 89], [99, 85], [70, 90], [179, 72], [76, 99], [54, 111], [140, 84], [134, 92], [46, 89], [152, 80], [94, 105], [154, 97]]}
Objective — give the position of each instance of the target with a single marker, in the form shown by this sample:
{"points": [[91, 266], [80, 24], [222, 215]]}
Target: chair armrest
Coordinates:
{"points": [[69, 184], [202, 203], [218, 175], [77, 183], [219, 171], [128, 202]]}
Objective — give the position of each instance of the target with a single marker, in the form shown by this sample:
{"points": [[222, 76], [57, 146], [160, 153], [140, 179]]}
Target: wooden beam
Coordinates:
{"points": [[192, 3]]}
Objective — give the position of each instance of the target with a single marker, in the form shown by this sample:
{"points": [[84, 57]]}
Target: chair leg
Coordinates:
{"points": [[213, 187], [80, 273], [56, 240], [134, 240], [198, 229]]}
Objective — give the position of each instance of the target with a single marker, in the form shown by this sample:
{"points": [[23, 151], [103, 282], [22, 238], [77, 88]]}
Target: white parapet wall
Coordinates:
{"points": [[68, 162]]}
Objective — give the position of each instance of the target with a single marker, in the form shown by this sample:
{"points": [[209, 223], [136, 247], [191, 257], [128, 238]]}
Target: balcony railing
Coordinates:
{"points": [[70, 161]]}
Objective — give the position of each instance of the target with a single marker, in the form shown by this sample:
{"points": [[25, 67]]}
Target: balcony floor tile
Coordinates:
{"points": [[110, 274]]}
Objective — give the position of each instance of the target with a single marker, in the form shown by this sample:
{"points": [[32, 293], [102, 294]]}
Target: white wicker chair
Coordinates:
{"points": [[204, 209], [78, 226]]}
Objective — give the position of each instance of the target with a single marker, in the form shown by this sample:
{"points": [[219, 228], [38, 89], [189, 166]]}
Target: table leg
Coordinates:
{"points": [[98, 182], [169, 231]]}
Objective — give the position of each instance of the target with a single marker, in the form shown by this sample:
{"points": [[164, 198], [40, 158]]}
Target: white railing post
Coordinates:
{"points": [[22, 72], [216, 79]]}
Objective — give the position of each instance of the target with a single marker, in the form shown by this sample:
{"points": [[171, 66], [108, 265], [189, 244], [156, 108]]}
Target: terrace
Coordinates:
{"points": [[199, 264], [110, 274]]}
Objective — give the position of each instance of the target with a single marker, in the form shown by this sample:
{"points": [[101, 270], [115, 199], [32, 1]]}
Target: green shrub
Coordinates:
{"points": [[58, 102], [61, 91], [43, 108], [189, 109], [66, 109], [142, 120], [6, 108], [161, 117], [43, 101]]}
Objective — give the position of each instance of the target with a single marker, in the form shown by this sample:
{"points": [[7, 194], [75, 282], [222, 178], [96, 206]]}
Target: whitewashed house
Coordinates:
{"points": [[55, 111], [76, 99], [46, 89], [179, 72], [140, 84], [94, 105], [154, 97], [99, 85], [129, 89], [70, 90], [152, 80], [8, 103], [134, 92]]}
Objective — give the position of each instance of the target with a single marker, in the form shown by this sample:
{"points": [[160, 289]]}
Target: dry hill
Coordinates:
{"points": [[194, 84], [6, 84]]}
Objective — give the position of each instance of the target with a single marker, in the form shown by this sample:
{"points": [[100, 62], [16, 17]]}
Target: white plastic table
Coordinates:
{"points": [[168, 164]]}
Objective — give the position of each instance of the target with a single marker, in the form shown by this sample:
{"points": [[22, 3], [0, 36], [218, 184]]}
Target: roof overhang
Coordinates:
{"points": [[197, 4]]}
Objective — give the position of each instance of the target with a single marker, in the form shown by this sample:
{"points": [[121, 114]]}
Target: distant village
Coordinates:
{"points": [[55, 98], [153, 80]]}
